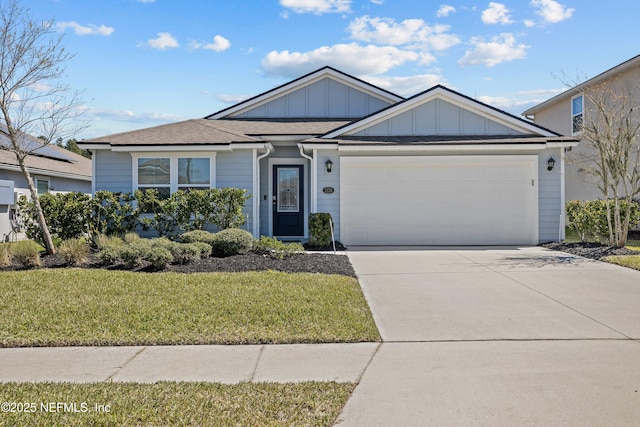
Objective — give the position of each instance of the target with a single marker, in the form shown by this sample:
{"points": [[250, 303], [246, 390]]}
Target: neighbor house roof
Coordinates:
{"points": [[75, 167], [633, 62]]}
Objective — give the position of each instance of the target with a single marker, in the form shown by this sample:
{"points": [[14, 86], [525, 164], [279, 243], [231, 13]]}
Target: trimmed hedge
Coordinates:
{"points": [[319, 229], [232, 241]]}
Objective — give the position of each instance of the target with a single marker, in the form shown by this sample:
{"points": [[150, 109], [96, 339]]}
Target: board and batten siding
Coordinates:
{"points": [[329, 203], [322, 99], [235, 169], [437, 117], [113, 171], [550, 197]]}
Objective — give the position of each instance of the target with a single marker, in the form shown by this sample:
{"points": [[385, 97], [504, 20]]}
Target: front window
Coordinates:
{"points": [[155, 174], [577, 106], [169, 174], [193, 173], [42, 185]]}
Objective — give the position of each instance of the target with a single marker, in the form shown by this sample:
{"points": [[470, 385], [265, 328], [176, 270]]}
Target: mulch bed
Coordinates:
{"points": [[295, 263], [589, 249]]}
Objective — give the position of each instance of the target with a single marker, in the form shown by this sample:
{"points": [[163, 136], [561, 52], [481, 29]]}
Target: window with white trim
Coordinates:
{"points": [[577, 107], [42, 186], [172, 173]]}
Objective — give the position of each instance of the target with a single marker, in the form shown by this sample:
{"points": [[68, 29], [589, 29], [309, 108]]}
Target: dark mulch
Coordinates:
{"points": [[589, 249], [295, 263], [329, 247]]}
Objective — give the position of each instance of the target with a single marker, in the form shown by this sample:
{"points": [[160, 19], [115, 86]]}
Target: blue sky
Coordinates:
{"points": [[143, 63]]}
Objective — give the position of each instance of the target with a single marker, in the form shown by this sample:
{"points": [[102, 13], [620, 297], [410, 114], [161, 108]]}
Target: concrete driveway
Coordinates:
{"points": [[498, 336]]}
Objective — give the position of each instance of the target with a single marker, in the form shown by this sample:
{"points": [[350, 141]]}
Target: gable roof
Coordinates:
{"points": [[451, 96], [293, 85], [611, 72]]}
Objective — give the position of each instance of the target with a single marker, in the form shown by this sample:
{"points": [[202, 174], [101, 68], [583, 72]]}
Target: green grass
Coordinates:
{"points": [[631, 261], [64, 307], [164, 404]]}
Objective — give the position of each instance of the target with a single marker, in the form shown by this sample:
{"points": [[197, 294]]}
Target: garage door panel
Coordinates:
{"points": [[444, 200]]}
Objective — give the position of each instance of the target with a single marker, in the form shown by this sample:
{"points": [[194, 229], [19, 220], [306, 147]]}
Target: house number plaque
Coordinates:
{"points": [[328, 190]]}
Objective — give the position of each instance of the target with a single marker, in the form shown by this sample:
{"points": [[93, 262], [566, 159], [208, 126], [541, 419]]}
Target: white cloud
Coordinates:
{"points": [[147, 1], [231, 99], [529, 23], [163, 41], [351, 58], [131, 116], [220, 44], [406, 86], [502, 48], [518, 102], [496, 13], [317, 7], [551, 11], [445, 10], [85, 30], [408, 32], [377, 2]]}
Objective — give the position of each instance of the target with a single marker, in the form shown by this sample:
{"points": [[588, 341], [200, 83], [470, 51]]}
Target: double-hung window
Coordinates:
{"points": [[168, 173], [577, 107]]}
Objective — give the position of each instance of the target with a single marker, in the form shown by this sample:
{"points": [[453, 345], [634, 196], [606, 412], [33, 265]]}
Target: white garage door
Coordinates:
{"points": [[439, 200]]}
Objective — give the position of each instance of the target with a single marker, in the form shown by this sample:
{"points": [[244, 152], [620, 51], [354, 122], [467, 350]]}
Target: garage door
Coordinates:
{"points": [[439, 200]]}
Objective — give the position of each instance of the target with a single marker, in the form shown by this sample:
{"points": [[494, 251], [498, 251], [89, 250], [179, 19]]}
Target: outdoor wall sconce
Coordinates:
{"points": [[328, 165], [550, 163]]}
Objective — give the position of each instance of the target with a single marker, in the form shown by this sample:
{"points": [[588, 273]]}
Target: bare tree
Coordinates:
{"points": [[33, 99], [610, 131]]}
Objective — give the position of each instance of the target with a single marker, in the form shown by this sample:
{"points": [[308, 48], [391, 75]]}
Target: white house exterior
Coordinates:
{"points": [[563, 114], [435, 169]]}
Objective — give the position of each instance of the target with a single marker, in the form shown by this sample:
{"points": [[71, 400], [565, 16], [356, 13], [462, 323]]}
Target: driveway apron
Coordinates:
{"points": [[498, 336]]}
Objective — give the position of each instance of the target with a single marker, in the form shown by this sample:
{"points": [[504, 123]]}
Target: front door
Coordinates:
{"points": [[288, 201]]}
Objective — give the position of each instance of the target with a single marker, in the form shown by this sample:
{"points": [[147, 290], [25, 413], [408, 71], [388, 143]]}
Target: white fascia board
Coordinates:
{"points": [[317, 146], [440, 148], [284, 138], [169, 148], [445, 95], [46, 172], [94, 146], [292, 87], [562, 144]]}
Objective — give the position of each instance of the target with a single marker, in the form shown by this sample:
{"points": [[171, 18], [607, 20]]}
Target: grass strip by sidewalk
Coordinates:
{"points": [[65, 307], [631, 261], [164, 404]]}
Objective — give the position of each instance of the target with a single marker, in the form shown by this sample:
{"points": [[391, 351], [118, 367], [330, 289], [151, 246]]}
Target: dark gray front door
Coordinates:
{"points": [[288, 200]]}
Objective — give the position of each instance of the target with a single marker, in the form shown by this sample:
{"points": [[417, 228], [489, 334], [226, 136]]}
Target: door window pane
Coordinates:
{"points": [[194, 172], [288, 190], [154, 172]]}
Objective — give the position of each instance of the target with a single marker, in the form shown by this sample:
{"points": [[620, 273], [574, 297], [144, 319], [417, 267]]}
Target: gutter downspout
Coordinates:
{"points": [[256, 189], [314, 178]]}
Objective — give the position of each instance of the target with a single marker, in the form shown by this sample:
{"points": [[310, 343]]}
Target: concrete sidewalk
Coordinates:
{"points": [[210, 363]]}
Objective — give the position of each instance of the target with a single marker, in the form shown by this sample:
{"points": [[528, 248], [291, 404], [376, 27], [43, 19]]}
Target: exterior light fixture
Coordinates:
{"points": [[550, 163], [328, 165]]}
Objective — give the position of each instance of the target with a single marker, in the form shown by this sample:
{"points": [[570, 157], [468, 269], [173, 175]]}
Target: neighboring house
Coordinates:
{"points": [[438, 168], [563, 114], [53, 169]]}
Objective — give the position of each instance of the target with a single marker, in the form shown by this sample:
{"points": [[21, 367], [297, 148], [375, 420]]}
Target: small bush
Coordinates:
{"points": [[589, 218], [232, 241], [5, 255], [163, 242], [275, 248], [185, 253], [319, 229], [158, 257], [197, 236], [110, 255], [102, 241], [131, 237], [26, 253], [134, 253], [205, 249], [74, 251]]}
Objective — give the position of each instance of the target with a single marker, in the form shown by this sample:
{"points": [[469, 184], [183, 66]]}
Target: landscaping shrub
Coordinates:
{"points": [[319, 229], [74, 251], [158, 257], [185, 253], [5, 255], [26, 253], [115, 213], [275, 248], [205, 249], [102, 241], [589, 218], [131, 237], [232, 241], [134, 253], [197, 236], [109, 255]]}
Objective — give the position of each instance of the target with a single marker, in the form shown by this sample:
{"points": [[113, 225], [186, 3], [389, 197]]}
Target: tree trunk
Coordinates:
{"points": [[46, 235]]}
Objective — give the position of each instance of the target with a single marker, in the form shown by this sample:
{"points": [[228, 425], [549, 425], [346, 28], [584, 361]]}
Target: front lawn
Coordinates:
{"points": [[631, 261], [164, 404], [65, 307]]}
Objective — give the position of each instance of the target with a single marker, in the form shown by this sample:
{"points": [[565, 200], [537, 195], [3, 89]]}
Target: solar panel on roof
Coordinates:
{"points": [[37, 148]]}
